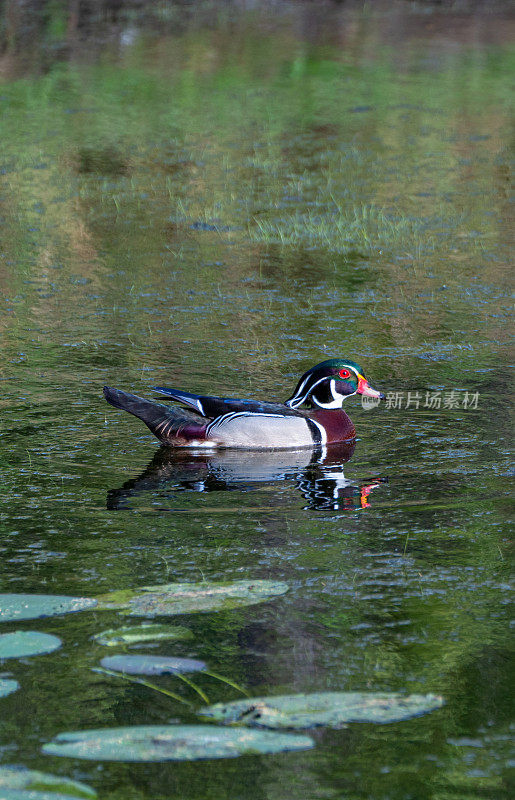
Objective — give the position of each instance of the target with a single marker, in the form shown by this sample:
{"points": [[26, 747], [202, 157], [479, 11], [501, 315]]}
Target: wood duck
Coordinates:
{"points": [[250, 424]]}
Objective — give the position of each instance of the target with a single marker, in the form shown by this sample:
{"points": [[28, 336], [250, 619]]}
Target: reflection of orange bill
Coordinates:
{"points": [[365, 491]]}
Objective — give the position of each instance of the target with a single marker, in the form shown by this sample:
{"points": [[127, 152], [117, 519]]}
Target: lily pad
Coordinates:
{"points": [[323, 708], [152, 665], [8, 686], [27, 643], [186, 598], [133, 634], [32, 779], [171, 743], [30, 794], [34, 606]]}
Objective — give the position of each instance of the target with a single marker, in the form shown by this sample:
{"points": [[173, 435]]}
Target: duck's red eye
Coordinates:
{"points": [[344, 373]]}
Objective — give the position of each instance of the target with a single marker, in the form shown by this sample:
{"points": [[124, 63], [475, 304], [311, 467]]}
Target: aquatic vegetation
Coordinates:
{"points": [[151, 665], [32, 780], [188, 598], [126, 667], [171, 743], [7, 686], [340, 228], [20, 644], [34, 794], [35, 606], [149, 685], [323, 708], [146, 632]]}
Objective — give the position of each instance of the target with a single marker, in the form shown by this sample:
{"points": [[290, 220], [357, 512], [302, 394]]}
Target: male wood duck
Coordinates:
{"points": [[250, 424]]}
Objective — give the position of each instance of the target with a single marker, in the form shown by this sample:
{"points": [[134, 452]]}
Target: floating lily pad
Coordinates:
{"points": [[30, 794], [8, 686], [32, 779], [171, 743], [34, 606], [152, 665], [323, 708], [27, 643], [186, 598], [133, 634]]}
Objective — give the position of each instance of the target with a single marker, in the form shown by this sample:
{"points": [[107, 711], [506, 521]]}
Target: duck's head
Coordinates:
{"points": [[328, 384]]}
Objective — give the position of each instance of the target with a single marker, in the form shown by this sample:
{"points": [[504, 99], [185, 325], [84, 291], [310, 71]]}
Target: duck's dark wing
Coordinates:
{"points": [[170, 425], [212, 407]]}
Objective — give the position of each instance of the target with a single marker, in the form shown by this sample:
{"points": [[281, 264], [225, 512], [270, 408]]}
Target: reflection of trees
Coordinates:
{"points": [[192, 173], [199, 179]]}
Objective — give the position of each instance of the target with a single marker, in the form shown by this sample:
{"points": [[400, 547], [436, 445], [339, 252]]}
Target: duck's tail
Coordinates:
{"points": [[173, 426]]}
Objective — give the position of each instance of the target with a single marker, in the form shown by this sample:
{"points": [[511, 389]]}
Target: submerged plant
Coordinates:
{"points": [[157, 665]]}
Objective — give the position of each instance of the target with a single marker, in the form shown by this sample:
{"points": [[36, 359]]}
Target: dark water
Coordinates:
{"points": [[217, 201]]}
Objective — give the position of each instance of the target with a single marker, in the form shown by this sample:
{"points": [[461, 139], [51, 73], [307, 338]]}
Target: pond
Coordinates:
{"points": [[216, 197]]}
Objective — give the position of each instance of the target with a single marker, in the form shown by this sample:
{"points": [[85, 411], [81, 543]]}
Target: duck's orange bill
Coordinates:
{"points": [[366, 390]]}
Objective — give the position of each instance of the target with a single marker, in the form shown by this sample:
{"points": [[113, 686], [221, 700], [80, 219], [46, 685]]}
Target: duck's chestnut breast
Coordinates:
{"points": [[337, 425]]}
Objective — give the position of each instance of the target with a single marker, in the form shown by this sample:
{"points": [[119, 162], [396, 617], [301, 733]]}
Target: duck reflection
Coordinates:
{"points": [[317, 474]]}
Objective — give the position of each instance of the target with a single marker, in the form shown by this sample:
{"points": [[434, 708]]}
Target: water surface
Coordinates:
{"points": [[217, 201]]}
